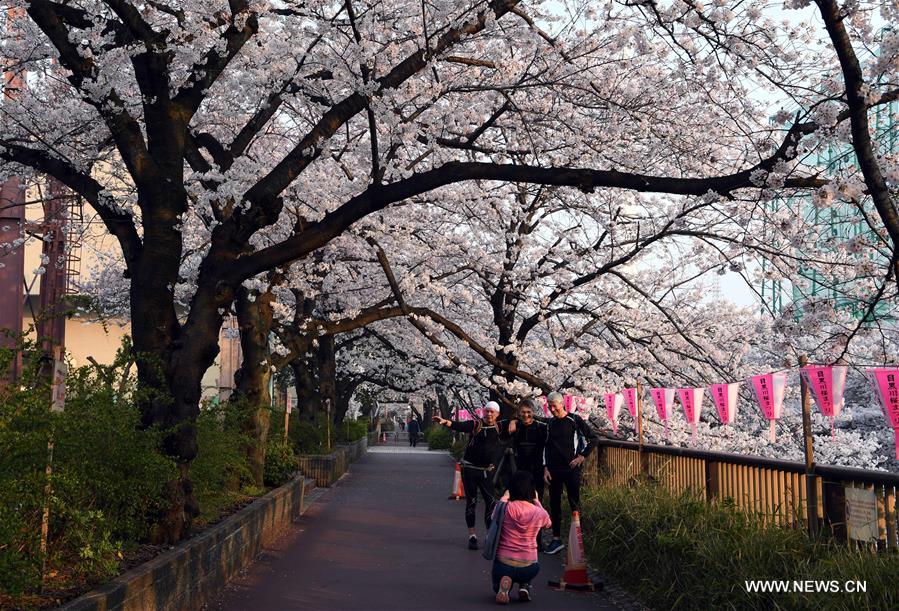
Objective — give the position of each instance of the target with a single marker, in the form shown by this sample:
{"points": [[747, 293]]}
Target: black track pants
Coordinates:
{"points": [[475, 480], [571, 480]]}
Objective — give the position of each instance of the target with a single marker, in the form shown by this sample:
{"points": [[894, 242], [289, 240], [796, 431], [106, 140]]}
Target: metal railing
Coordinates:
{"points": [[781, 492]]}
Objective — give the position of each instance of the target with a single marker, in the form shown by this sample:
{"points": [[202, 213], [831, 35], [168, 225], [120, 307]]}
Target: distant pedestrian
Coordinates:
{"points": [[482, 455], [564, 458], [516, 554], [414, 428]]}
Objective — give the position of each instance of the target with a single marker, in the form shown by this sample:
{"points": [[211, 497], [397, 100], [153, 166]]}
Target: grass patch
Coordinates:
{"points": [[680, 552]]}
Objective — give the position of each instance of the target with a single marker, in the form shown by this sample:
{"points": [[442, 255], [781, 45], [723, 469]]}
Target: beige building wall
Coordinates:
{"points": [[89, 338], [86, 337]]}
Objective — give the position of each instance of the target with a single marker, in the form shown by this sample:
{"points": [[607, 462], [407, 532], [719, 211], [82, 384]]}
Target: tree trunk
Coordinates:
{"points": [[443, 404], [429, 408], [504, 319], [279, 401], [254, 316], [502, 398], [171, 392], [346, 388], [308, 397], [172, 358], [326, 371]]}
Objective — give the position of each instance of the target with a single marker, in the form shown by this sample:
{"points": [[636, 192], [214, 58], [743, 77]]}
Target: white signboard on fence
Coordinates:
{"points": [[861, 514]]}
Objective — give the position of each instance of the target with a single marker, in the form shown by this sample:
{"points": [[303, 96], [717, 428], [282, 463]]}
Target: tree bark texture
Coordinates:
{"points": [[254, 316]]}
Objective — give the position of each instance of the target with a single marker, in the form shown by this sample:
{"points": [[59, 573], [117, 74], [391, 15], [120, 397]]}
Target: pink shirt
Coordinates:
{"points": [[518, 539]]}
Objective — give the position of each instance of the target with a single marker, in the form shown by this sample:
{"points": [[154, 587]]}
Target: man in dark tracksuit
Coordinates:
{"points": [[563, 462], [529, 441], [479, 462]]}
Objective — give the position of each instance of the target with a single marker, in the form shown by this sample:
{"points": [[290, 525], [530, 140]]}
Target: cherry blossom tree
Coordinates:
{"points": [[219, 142]]}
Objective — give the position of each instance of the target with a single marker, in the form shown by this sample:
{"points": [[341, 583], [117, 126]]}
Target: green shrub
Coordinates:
{"points": [[352, 430], [309, 437], [25, 428], [682, 552], [107, 480], [439, 438], [280, 462], [110, 462], [220, 472]]}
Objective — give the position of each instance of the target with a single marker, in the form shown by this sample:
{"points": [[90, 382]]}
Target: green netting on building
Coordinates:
{"points": [[842, 222]]}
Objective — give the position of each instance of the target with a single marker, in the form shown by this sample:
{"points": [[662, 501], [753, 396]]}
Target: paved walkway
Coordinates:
{"points": [[422, 448], [385, 537]]}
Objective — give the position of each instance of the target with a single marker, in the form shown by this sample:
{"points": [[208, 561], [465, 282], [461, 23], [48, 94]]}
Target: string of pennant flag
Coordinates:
{"points": [[826, 382]]}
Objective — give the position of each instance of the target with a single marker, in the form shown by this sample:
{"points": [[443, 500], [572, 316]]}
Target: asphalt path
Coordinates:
{"points": [[386, 537]]}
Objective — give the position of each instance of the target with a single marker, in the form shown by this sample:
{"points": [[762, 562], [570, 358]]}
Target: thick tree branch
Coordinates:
{"points": [[124, 128], [377, 197], [263, 196], [244, 25], [118, 223], [858, 118]]}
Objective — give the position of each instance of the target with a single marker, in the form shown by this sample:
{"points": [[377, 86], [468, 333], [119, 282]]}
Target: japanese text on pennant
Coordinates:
{"points": [[725, 398], [663, 398], [827, 384], [630, 398], [614, 402], [691, 400], [769, 391], [885, 386]]}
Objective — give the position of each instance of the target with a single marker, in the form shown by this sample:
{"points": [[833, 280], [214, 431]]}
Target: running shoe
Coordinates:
{"points": [[472, 542], [505, 584], [555, 547], [524, 592]]}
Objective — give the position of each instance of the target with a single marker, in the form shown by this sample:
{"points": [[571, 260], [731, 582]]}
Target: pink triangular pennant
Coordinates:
{"points": [[769, 391]]}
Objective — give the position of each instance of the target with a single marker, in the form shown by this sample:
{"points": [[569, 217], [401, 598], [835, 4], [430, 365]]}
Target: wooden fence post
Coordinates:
{"points": [[711, 480], [641, 455], [811, 480]]}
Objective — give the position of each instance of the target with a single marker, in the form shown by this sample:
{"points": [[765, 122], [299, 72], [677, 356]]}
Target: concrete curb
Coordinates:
{"points": [[196, 570]]}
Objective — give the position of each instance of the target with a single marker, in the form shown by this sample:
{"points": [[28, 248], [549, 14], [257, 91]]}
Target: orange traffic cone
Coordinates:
{"points": [[458, 491], [575, 576]]}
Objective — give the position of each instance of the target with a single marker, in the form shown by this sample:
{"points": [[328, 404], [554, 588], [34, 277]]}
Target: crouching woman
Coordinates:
{"points": [[516, 551]]}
